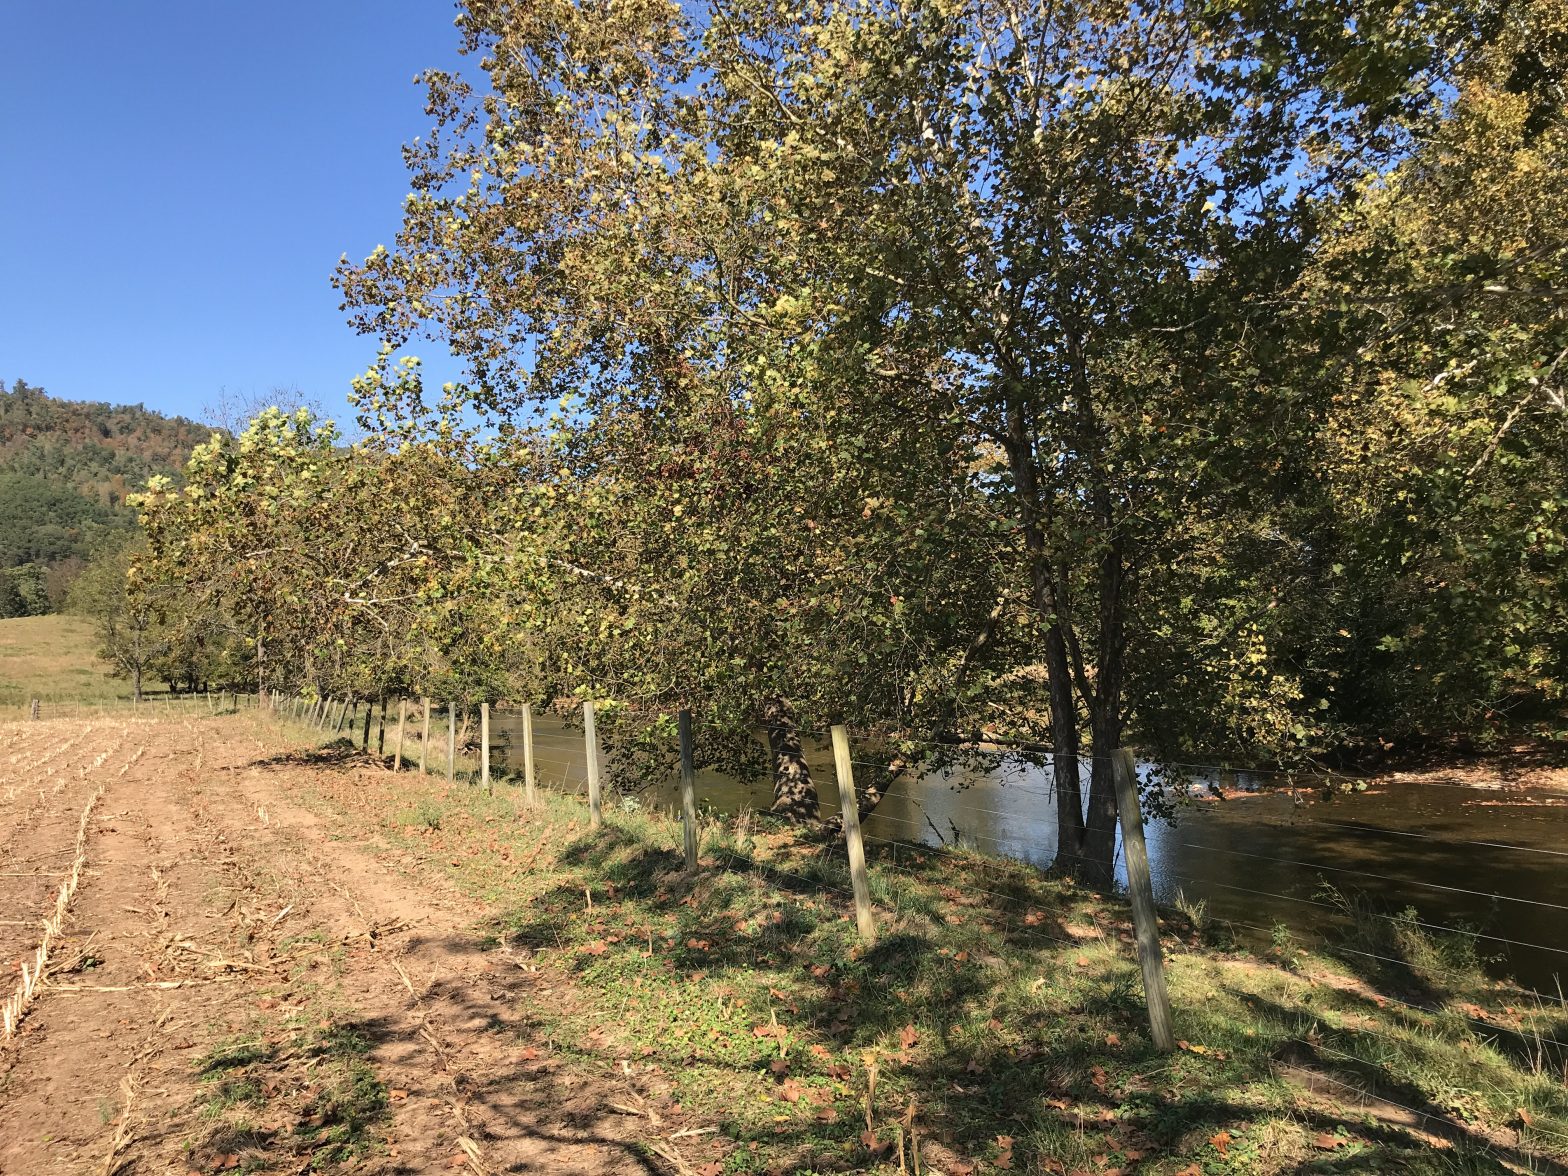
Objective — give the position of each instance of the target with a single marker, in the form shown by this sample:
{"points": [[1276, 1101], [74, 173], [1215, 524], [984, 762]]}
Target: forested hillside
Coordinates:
{"points": [[66, 469]]}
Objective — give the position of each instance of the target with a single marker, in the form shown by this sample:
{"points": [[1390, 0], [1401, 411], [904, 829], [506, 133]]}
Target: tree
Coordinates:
{"points": [[124, 611], [330, 562], [1041, 242], [1434, 311]]}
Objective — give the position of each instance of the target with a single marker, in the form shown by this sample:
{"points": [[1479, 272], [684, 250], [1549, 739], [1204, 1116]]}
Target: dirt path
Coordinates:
{"points": [[240, 983]]}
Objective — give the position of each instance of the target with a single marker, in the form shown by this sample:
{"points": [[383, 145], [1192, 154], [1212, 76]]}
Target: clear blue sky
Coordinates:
{"points": [[180, 178]]}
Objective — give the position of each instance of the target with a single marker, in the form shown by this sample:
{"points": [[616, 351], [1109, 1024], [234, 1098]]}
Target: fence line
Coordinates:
{"points": [[572, 758]]}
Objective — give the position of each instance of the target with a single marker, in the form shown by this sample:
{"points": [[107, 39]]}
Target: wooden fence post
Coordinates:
{"points": [[688, 791], [32, 711], [530, 797], [1140, 889], [451, 743], [343, 713], [402, 715], [852, 839], [484, 748], [381, 729], [424, 734], [591, 748], [370, 713]]}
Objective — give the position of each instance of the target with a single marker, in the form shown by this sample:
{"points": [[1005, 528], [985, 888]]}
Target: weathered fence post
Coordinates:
{"points": [[484, 748], [344, 712], [32, 711], [857, 849], [1140, 889], [424, 734], [688, 790], [370, 713], [381, 729], [530, 797], [451, 743], [591, 749], [402, 714]]}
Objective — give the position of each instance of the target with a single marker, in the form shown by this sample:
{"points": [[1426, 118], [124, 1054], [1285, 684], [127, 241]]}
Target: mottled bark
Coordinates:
{"points": [[794, 791]]}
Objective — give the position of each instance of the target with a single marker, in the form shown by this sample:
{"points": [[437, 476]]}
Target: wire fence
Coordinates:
{"points": [[150, 704], [1309, 871]]}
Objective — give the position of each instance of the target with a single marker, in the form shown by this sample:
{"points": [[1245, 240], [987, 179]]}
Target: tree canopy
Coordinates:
{"points": [[1062, 376]]}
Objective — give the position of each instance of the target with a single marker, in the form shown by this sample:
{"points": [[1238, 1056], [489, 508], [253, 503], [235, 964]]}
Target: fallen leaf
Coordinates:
{"points": [[1326, 1142], [397, 1095], [907, 1036], [1221, 1141], [1112, 1040]]}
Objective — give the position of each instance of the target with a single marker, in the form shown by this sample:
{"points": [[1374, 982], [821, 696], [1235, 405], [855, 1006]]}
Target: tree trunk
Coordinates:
{"points": [[1096, 848], [1071, 847], [136, 684], [794, 791]]}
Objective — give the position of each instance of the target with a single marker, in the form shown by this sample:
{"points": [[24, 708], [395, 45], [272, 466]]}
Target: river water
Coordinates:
{"points": [[1493, 861]]}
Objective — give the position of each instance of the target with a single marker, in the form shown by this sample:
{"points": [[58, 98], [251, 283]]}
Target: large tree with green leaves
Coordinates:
{"points": [[1433, 311], [1050, 240]]}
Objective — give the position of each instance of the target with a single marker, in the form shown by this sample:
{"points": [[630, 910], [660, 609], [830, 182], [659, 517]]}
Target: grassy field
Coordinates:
{"points": [[53, 658], [996, 1024]]}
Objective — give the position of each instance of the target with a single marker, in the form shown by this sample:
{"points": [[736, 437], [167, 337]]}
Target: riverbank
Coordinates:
{"points": [[1524, 767], [997, 1024]]}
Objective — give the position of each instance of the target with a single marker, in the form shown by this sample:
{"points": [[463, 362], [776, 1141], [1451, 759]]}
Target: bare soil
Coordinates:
{"points": [[218, 920]]}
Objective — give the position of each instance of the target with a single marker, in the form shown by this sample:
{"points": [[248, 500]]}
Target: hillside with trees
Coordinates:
{"points": [[67, 470]]}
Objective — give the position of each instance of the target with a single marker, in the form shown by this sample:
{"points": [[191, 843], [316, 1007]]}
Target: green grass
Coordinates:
{"points": [[54, 658], [270, 1101], [999, 1016]]}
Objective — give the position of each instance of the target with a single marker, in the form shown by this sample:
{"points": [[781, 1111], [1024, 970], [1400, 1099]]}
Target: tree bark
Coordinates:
{"points": [[794, 791], [1071, 847]]}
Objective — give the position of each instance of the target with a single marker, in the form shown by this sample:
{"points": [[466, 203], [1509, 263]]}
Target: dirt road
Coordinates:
{"points": [[240, 983]]}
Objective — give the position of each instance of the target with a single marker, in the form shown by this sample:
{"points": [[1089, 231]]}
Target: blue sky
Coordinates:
{"points": [[179, 180]]}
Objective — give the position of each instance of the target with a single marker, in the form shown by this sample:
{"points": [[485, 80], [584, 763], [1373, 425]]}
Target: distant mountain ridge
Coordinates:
{"points": [[66, 470]]}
